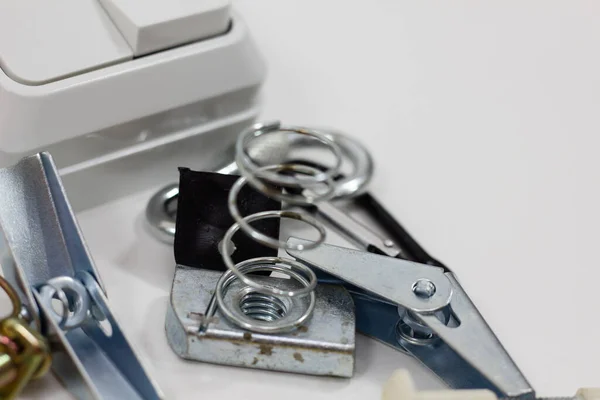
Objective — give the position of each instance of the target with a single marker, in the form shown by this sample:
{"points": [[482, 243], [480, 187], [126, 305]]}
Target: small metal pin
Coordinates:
{"points": [[423, 288]]}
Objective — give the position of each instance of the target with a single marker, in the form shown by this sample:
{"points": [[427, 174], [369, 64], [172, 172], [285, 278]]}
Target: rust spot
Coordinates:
{"points": [[255, 361], [195, 316], [266, 349], [247, 336], [240, 342], [302, 329], [298, 357]]}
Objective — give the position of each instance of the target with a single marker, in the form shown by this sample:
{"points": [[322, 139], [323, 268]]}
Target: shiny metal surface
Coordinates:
{"points": [[303, 298], [324, 344], [244, 223], [270, 180], [161, 213], [71, 317], [161, 208], [444, 329], [359, 159], [252, 169], [392, 279], [41, 242], [24, 352]]}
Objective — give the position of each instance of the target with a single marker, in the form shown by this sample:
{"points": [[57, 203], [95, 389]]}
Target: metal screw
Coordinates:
{"points": [[388, 243], [423, 288]]}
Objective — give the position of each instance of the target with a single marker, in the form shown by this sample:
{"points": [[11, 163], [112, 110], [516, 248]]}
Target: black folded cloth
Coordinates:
{"points": [[203, 218]]}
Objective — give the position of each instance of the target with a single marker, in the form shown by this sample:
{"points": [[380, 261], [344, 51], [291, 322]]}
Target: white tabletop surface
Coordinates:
{"points": [[484, 121]]}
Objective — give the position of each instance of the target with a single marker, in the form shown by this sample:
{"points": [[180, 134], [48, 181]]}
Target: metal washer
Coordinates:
{"points": [[59, 286]]}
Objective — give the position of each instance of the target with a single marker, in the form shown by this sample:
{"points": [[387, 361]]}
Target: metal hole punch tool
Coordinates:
{"points": [[424, 311], [45, 259]]}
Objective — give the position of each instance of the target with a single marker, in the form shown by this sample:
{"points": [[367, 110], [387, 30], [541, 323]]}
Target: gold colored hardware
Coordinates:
{"points": [[24, 352]]}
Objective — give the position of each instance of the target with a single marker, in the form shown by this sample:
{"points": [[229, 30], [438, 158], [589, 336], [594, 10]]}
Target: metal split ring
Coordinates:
{"points": [[74, 298]]}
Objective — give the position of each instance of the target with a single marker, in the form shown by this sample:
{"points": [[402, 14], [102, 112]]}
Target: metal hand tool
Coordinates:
{"points": [[422, 310], [44, 257]]}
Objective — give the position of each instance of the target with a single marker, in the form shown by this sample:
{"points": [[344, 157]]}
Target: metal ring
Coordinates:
{"points": [[226, 251], [13, 297], [306, 197], [247, 165], [60, 294], [244, 223], [70, 319], [362, 164], [162, 223], [10, 346], [272, 242], [258, 265]]}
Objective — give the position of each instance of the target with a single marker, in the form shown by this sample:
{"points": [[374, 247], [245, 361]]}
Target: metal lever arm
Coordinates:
{"points": [[390, 278], [465, 353], [40, 243]]}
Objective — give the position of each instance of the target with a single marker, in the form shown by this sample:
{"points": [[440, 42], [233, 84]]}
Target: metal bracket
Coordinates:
{"points": [[40, 241], [322, 346]]}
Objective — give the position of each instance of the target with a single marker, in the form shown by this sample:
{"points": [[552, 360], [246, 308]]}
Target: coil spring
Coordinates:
{"points": [[294, 184]]}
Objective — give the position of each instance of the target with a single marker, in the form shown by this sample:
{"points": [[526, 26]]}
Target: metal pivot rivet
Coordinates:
{"points": [[388, 243], [423, 288]]}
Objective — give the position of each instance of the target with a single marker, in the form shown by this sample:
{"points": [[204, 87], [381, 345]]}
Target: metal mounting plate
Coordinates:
{"points": [[323, 346]]}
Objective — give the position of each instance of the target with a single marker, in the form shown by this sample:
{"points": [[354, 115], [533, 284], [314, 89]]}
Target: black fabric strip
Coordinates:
{"points": [[203, 218]]}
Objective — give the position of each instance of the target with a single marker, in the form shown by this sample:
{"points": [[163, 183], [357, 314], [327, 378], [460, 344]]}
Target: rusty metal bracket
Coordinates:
{"points": [[324, 345]]}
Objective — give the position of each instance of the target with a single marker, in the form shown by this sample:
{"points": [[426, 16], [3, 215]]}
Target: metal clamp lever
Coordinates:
{"points": [[43, 256], [424, 311]]}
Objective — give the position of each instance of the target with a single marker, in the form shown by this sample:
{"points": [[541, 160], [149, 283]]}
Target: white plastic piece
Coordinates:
{"points": [[401, 387], [153, 25], [44, 41], [33, 117], [126, 128], [588, 394]]}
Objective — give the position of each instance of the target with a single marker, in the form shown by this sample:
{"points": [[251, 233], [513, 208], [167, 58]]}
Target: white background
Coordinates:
{"points": [[483, 118]]}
